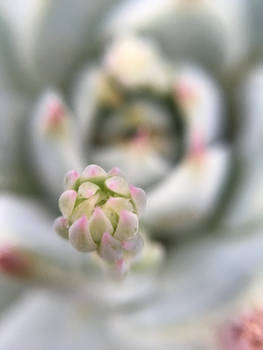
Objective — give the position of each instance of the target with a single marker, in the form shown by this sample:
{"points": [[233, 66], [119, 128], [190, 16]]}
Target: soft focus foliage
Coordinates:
{"points": [[171, 92]]}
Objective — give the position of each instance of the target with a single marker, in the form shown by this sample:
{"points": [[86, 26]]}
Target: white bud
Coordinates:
{"points": [[70, 179], [80, 236], [61, 226], [67, 202]]}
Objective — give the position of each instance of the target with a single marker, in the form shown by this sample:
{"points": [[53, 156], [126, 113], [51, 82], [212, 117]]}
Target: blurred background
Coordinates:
{"points": [[171, 92]]}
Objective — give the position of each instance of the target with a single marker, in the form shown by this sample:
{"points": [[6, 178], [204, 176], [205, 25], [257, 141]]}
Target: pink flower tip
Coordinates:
{"points": [[115, 171], [55, 108], [197, 146], [125, 214], [106, 238], [97, 211], [93, 170], [71, 194], [133, 189], [82, 222], [185, 91], [54, 117], [14, 262], [72, 174]]}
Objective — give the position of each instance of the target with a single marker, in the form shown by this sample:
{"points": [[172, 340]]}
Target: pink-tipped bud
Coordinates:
{"points": [[118, 204], [80, 237], [70, 179], [67, 202], [139, 198], [197, 144], [118, 185], [87, 189], [54, 119], [185, 92], [99, 223], [100, 212], [93, 171], [115, 171], [61, 226], [128, 225]]}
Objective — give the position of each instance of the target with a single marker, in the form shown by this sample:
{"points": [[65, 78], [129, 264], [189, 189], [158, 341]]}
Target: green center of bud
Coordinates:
{"points": [[143, 128]]}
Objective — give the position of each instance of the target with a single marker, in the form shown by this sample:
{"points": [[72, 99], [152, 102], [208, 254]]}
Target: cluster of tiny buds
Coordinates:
{"points": [[100, 212]]}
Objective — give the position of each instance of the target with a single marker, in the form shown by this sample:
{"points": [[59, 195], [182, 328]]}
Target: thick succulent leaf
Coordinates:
{"points": [[211, 30], [15, 106], [186, 198], [25, 225], [194, 283], [51, 321], [67, 202], [53, 147], [249, 98], [13, 164], [23, 18], [47, 33], [193, 336], [139, 198], [70, 179], [60, 226], [255, 14], [84, 95], [10, 291], [80, 236], [118, 204], [200, 99], [99, 224], [246, 203], [140, 168], [86, 207], [118, 184], [196, 294], [93, 171], [202, 265], [116, 171], [127, 226], [87, 190]]}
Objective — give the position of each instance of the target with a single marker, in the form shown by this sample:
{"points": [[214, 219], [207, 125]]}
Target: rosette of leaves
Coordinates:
{"points": [[169, 122], [162, 124]]}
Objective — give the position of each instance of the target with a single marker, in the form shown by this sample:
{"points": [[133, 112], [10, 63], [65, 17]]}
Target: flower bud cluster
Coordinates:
{"points": [[100, 212]]}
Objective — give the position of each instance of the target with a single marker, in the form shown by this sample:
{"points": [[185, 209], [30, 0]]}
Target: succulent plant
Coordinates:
{"points": [[169, 92]]}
